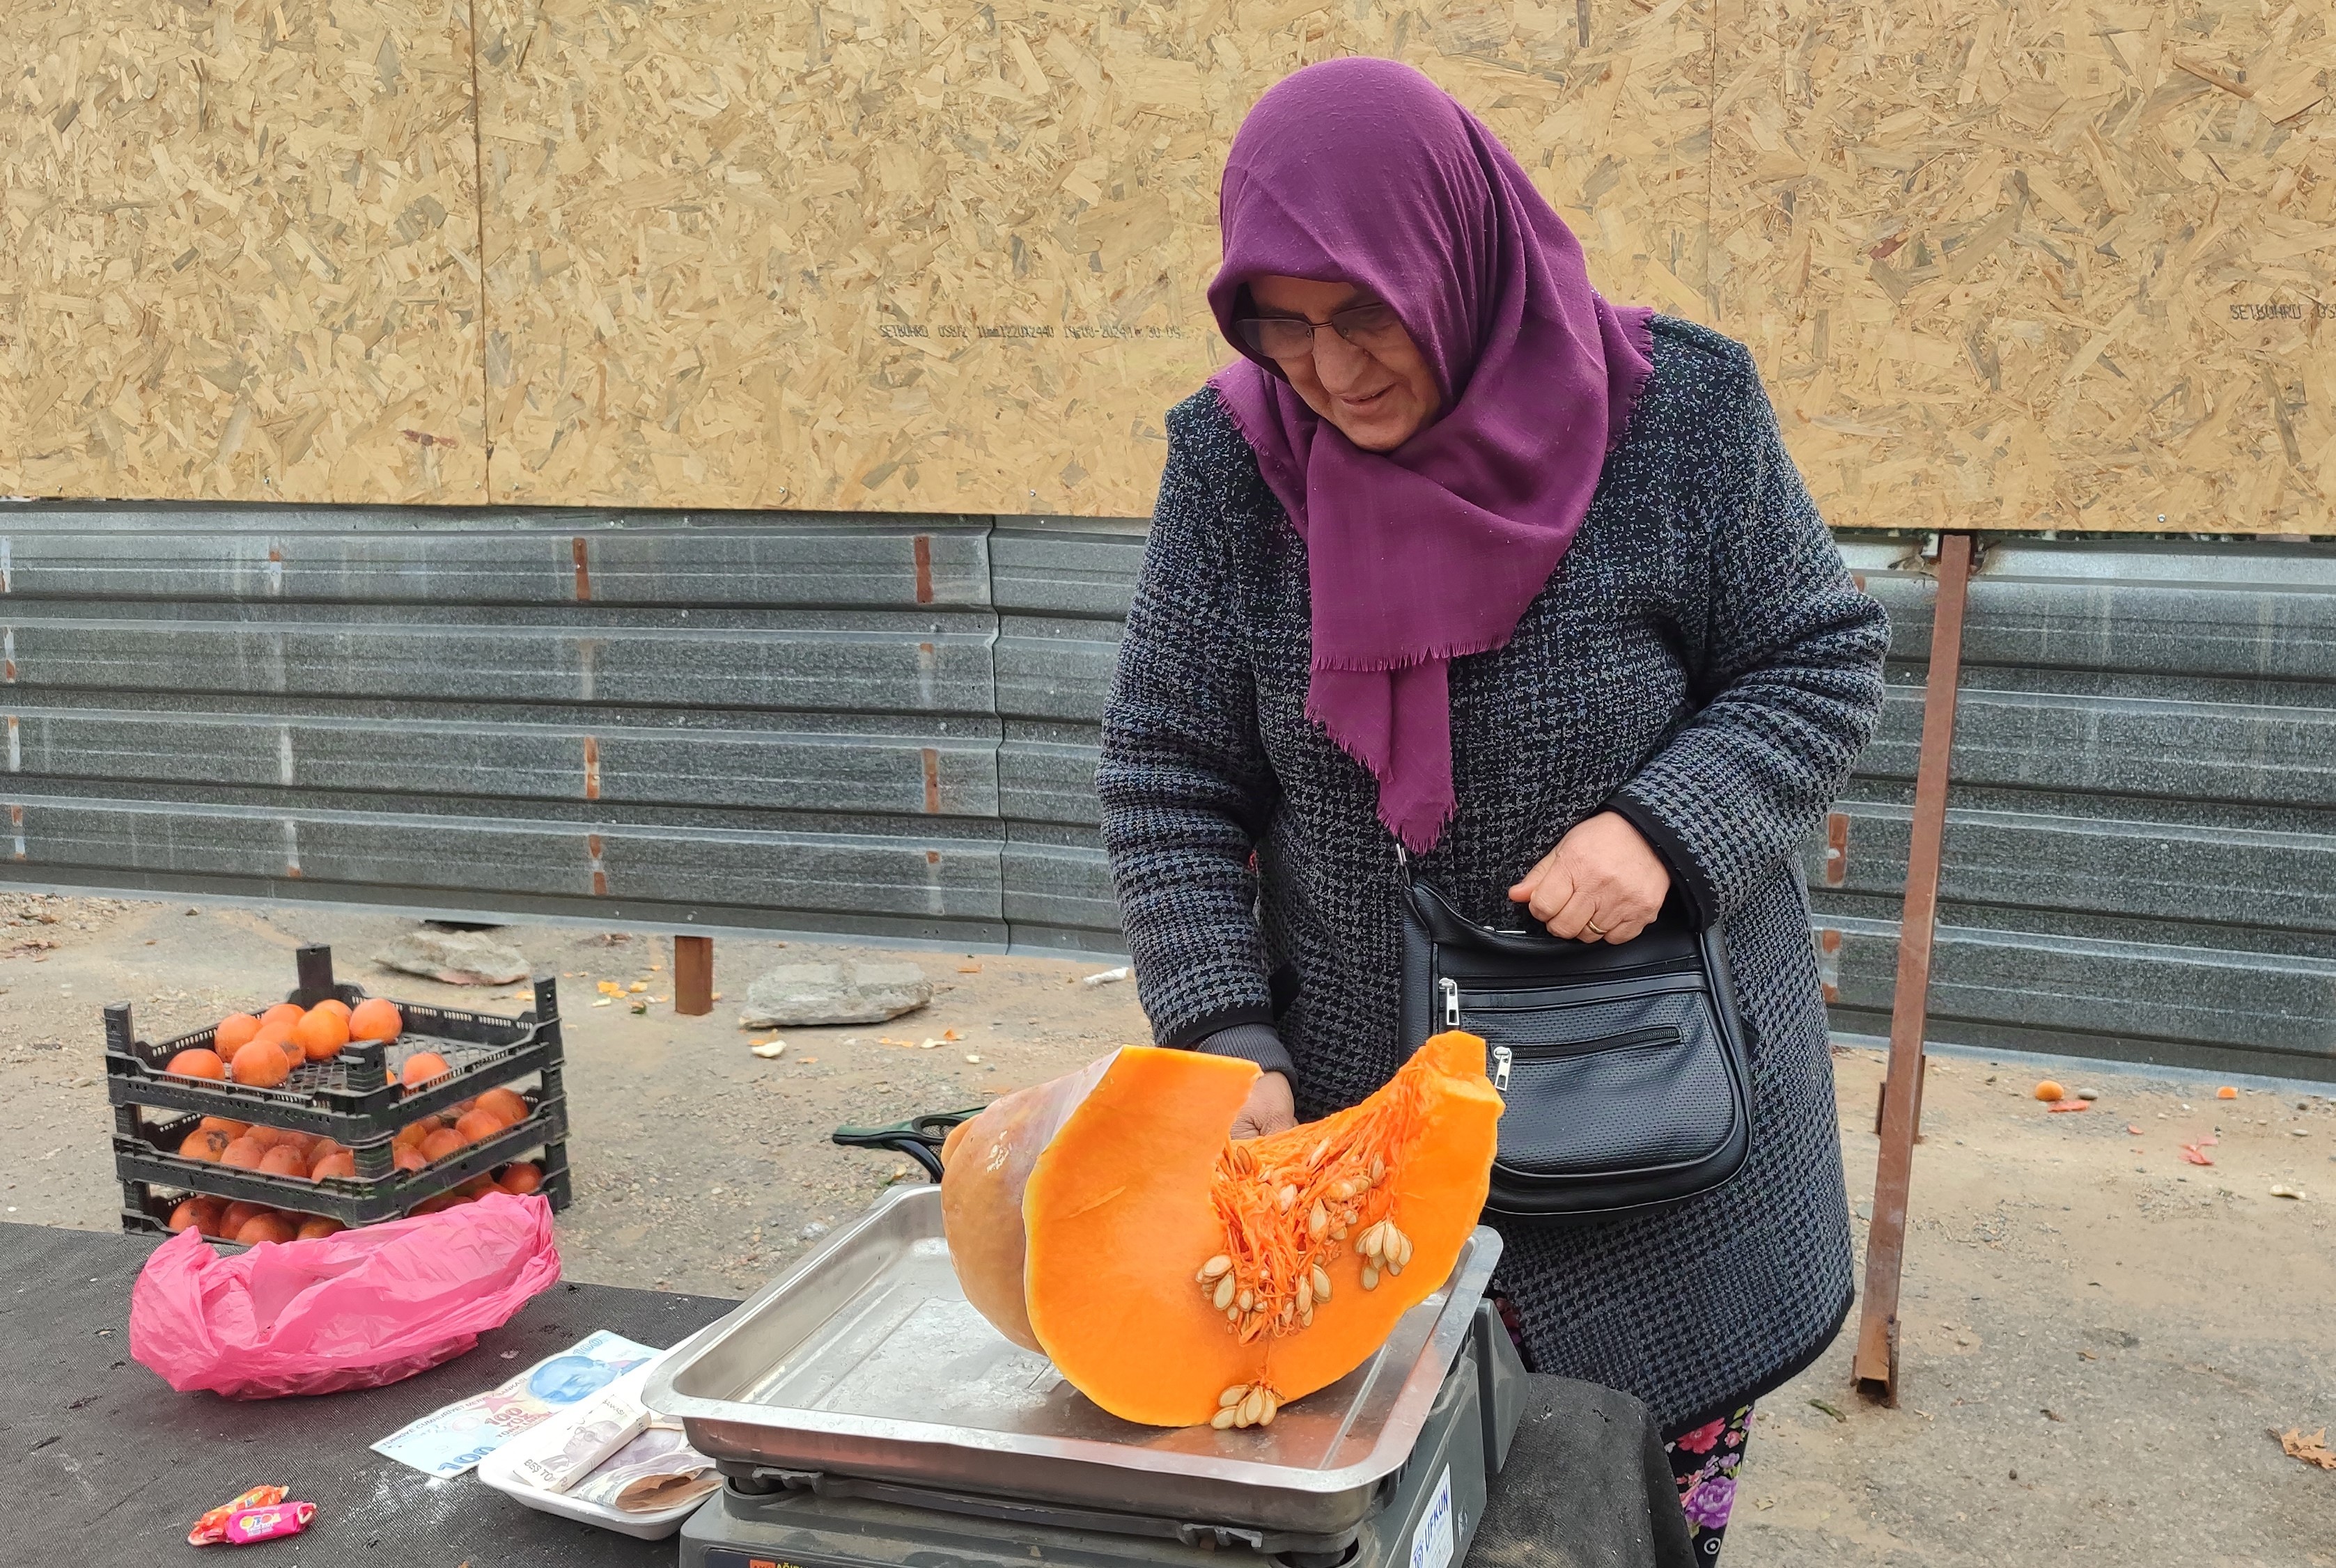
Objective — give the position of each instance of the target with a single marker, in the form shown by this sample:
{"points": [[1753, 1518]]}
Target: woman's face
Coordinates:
{"points": [[1379, 395]]}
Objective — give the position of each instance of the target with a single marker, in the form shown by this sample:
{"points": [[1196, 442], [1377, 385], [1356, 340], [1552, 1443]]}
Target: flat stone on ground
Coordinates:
{"points": [[455, 957], [803, 995]]}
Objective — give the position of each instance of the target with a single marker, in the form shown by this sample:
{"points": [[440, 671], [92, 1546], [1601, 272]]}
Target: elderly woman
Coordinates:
{"points": [[1459, 555]]}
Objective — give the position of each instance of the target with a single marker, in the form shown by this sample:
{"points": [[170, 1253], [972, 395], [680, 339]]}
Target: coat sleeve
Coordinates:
{"points": [[1184, 784], [1785, 656]]}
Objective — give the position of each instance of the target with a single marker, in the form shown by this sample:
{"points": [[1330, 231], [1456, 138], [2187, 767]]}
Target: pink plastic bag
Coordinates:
{"points": [[350, 1310]]}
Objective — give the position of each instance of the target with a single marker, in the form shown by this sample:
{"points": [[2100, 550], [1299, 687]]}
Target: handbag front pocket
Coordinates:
{"points": [[1651, 1098]]}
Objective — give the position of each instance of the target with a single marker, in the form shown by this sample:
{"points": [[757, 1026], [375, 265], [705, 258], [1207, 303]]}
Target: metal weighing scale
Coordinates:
{"points": [[865, 1415]]}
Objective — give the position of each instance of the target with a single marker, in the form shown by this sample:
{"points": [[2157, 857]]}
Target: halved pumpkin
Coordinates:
{"points": [[1176, 1276]]}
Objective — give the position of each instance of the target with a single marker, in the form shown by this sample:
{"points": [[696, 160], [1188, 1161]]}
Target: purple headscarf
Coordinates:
{"points": [[1363, 171]]}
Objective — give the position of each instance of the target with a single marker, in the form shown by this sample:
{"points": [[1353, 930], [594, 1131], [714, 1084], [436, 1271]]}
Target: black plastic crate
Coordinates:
{"points": [[146, 1163], [354, 1099]]}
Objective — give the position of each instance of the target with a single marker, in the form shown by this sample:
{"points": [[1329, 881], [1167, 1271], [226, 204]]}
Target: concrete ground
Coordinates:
{"points": [[2099, 1337]]}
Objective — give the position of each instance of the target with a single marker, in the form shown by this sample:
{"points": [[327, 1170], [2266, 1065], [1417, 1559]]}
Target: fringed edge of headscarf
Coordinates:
{"points": [[1418, 839], [1638, 326]]}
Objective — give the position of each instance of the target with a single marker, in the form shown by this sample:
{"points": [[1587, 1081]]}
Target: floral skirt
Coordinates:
{"points": [[1704, 1463]]}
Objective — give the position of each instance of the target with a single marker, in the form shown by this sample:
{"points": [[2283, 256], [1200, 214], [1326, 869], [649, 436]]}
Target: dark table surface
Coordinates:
{"points": [[102, 1464]]}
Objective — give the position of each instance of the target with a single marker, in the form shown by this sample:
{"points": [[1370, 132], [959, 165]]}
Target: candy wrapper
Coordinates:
{"points": [[211, 1530], [246, 1525]]}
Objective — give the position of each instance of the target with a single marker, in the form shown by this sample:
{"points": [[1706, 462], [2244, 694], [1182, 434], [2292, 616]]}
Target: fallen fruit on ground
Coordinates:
{"points": [[261, 1064], [2226, 1092], [1176, 1276], [376, 1018], [2049, 1091], [198, 1063]]}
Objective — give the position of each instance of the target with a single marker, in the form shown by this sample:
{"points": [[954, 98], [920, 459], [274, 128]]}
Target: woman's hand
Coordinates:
{"points": [[1602, 882], [1269, 1108]]}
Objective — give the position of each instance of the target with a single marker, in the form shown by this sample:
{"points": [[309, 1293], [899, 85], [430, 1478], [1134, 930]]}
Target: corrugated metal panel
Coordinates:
{"points": [[1062, 592], [886, 726], [774, 719], [2140, 855]]}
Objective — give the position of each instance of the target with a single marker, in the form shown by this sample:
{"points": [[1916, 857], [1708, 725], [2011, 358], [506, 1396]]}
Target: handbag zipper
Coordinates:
{"points": [[1451, 1002], [1652, 1034], [1502, 1058]]}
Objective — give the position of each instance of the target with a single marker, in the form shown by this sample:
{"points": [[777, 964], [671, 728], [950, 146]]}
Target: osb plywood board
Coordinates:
{"points": [[2058, 265], [238, 251], [898, 256]]}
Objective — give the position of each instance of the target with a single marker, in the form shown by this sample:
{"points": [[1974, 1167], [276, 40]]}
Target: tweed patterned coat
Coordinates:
{"points": [[1700, 662]]}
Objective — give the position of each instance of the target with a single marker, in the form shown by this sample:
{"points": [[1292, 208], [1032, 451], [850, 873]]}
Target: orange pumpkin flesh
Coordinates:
{"points": [[1134, 1191]]}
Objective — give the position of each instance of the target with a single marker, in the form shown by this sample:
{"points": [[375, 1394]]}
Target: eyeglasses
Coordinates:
{"points": [[1370, 328]]}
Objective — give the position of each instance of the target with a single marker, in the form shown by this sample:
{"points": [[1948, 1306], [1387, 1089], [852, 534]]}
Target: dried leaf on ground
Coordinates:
{"points": [[2311, 1448]]}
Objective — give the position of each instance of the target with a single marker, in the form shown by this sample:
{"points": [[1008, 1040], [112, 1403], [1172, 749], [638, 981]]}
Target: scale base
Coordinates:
{"points": [[1426, 1519]]}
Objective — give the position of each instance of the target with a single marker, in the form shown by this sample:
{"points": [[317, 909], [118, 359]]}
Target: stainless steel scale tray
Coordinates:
{"points": [[865, 1359]]}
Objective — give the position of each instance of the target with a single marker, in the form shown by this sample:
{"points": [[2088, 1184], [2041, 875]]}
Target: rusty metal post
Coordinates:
{"points": [[693, 975], [1875, 1371]]}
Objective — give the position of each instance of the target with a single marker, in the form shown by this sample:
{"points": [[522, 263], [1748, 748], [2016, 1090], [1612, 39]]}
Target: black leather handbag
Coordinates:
{"points": [[1624, 1068]]}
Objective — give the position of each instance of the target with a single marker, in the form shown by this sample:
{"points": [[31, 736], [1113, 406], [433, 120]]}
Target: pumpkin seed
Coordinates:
{"points": [[1232, 1314], [1319, 1150], [1265, 1411], [1407, 1248], [1393, 1268], [1234, 1395], [1321, 1283], [1318, 1221], [1220, 1264], [1339, 1232], [1245, 1301], [1224, 1418], [1341, 1190], [1288, 1197], [1305, 1297], [1378, 1170], [1223, 1296], [1370, 1278], [1250, 1406], [1305, 1319]]}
